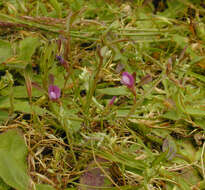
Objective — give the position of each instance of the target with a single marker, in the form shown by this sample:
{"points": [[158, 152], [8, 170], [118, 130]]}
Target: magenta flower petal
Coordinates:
{"points": [[60, 60], [127, 79], [54, 92], [112, 100]]}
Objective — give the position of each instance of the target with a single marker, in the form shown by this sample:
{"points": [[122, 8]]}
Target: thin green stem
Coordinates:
{"points": [[94, 82]]}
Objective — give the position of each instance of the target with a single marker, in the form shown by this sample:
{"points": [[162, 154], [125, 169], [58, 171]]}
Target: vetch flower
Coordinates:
{"points": [[63, 62], [112, 100], [60, 59], [54, 92], [128, 80]]}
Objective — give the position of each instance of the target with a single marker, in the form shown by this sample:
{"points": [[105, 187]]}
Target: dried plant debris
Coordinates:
{"points": [[102, 94]]}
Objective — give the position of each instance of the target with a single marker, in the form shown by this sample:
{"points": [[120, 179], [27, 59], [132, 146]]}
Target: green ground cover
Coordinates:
{"points": [[99, 94]]}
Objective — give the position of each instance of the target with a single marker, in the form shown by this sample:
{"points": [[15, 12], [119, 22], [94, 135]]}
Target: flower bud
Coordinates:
{"points": [[112, 100]]}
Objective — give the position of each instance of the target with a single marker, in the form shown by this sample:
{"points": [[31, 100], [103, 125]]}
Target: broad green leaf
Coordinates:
{"points": [[5, 50], [27, 48], [187, 149], [13, 169], [20, 92], [3, 115], [44, 187], [22, 106], [4, 102], [195, 111], [25, 107], [172, 115]]}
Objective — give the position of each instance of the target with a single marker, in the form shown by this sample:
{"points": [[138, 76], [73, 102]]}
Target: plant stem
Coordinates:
{"points": [[94, 82]]}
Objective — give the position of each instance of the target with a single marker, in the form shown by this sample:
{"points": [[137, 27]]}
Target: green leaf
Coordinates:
{"points": [[44, 187], [20, 92], [57, 7], [4, 186], [125, 159], [178, 99], [5, 50], [3, 115], [21, 5], [198, 76], [75, 126], [25, 107], [200, 121], [195, 111], [113, 91], [13, 169], [172, 115], [75, 5], [187, 149], [202, 184], [4, 102], [22, 106], [159, 159], [182, 42], [122, 113], [27, 48], [183, 184]]}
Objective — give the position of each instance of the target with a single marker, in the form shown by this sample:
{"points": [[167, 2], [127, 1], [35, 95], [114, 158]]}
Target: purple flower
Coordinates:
{"points": [[54, 92], [60, 59], [112, 100], [63, 62], [128, 80]]}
